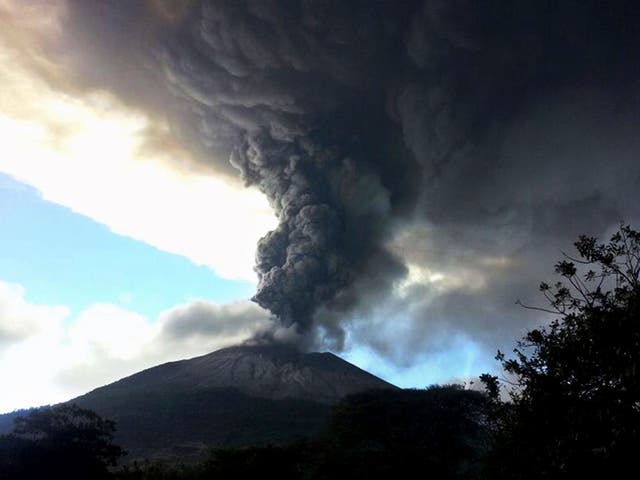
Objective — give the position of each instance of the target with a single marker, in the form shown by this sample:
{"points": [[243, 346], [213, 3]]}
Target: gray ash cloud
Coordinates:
{"points": [[291, 90], [361, 119]]}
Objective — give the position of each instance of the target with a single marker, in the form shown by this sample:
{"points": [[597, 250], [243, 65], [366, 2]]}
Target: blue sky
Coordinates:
{"points": [[60, 257]]}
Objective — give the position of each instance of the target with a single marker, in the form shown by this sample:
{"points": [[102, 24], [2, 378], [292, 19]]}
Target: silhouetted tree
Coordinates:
{"points": [[64, 441], [379, 434], [574, 407]]}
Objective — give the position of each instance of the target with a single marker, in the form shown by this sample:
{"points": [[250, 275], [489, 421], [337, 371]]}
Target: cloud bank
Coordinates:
{"points": [[48, 355]]}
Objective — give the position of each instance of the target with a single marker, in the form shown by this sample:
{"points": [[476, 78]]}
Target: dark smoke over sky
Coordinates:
{"points": [[427, 160]]}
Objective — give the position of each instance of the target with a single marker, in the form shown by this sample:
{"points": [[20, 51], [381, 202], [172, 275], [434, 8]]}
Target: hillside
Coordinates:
{"points": [[236, 396], [270, 372]]}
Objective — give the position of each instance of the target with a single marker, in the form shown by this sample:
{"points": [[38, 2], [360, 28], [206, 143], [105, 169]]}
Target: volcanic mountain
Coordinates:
{"points": [[270, 372], [244, 395]]}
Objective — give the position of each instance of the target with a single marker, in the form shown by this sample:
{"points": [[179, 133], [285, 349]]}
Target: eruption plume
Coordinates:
{"points": [[298, 99], [359, 119]]}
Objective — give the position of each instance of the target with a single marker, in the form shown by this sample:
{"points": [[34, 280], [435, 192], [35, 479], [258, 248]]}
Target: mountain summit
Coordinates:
{"points": [[243, 395], [272, 372]]}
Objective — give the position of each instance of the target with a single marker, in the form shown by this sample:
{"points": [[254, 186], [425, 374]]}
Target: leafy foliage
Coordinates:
{"points": [[64, 441], [575, 395], [376, 434]]}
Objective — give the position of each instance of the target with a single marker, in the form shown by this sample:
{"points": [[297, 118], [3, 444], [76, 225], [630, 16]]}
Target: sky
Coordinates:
{"points": [[380, 179]]}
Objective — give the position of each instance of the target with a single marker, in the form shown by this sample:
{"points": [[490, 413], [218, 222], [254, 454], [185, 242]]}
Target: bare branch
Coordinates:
{"points": [[529, 307]]}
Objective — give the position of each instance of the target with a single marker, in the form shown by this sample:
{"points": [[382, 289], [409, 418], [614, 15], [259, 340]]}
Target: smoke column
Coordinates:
{"points": [[358, 117], [290, 88]]}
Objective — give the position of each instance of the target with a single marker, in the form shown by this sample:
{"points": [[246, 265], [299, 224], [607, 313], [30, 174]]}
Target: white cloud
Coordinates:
{"points": [[26, 332], [46, 356], [111, 332], [20, 320], [93, 154]]}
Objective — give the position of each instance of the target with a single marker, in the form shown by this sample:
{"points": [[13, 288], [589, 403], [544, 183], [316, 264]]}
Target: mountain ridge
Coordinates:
{"points": [[275, 372], [236, 396]]}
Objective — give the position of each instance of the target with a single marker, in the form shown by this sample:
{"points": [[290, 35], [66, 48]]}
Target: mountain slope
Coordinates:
{"points": [[272, 372], [235, 396]]}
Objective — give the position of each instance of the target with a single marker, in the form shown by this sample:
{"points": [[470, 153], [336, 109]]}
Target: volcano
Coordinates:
{"points": [[243, 395], [269, 372]]}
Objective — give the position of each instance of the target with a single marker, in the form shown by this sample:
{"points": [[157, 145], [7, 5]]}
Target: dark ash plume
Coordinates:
{"points": [[287, 87], [363, 119]]}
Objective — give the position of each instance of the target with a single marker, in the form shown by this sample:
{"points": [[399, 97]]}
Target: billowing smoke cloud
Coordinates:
{"points": [[510, 122], [288, 86]]}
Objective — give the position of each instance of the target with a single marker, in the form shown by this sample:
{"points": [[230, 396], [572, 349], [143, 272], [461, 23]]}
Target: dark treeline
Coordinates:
{"points": [[567, 406], [375, 434]]}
